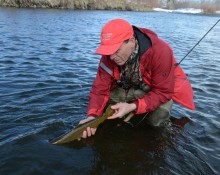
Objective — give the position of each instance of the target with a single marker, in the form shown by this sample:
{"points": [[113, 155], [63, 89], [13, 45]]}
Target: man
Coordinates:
{"points": [[138, 74]]}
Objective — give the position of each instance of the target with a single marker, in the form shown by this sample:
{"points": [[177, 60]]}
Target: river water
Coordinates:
{"points": [[47, 67]]}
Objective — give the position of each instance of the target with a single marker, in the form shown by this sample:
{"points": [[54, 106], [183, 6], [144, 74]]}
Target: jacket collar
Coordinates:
{"points": [[143, 40]]}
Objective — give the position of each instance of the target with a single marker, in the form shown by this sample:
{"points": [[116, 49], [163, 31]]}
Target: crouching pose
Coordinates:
{"points": [[138, 74]]}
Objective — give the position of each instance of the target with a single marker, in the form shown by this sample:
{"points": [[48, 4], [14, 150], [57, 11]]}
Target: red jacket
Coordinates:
{"points": [[158, 70]]}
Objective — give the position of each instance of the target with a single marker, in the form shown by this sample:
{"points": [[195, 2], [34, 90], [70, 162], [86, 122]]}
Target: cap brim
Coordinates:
{"points": [[108, 49]]}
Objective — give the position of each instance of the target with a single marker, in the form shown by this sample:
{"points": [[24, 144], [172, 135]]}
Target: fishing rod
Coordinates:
{"points": [[197, 43]]}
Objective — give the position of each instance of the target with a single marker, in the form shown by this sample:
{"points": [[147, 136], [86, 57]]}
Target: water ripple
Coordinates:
{"points": [[47, 68]]}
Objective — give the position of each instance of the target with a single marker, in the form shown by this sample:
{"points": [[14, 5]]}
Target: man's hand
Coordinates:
{"points": [[121, 109], [89, 131]]}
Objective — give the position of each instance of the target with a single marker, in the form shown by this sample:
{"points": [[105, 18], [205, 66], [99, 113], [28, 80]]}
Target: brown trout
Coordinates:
{"points": [[76, 133]]}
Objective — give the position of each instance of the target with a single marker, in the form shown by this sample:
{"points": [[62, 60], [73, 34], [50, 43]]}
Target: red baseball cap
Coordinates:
{"points": [[114, 33]]}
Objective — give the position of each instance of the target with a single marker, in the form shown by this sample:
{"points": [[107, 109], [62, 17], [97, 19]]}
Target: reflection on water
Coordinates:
{"points": [[47, 67], [120, 148]]}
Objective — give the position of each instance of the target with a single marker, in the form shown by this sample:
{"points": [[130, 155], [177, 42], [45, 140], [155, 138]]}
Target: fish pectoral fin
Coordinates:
{"points": [[128, 118]]}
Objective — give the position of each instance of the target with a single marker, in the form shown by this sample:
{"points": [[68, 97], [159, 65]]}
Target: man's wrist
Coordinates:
{"points": [[133, 106], [136, 104]]}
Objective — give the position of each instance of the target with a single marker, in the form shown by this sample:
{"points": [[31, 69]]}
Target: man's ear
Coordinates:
{"points": [[132, 40]]}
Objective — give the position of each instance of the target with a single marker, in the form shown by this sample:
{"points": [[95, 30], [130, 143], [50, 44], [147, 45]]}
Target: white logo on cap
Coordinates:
{"points": [[106, 36]]}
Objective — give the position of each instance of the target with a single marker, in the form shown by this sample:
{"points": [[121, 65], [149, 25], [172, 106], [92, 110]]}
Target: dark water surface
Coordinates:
{"points": [[47, 67]]}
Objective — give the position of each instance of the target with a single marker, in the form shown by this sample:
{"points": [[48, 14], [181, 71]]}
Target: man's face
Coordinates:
{"points": [[124, 52]]}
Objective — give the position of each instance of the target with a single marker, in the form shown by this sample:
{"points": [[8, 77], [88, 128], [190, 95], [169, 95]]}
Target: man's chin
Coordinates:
{"points": [[120, 63]]}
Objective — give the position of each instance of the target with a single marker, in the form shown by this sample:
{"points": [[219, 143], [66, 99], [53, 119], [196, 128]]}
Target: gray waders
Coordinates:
{"points": [[158, 117]]}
